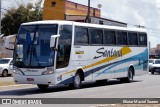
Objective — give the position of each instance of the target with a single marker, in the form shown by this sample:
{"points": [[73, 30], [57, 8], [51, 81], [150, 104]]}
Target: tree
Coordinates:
{"points": [[14, 17]]}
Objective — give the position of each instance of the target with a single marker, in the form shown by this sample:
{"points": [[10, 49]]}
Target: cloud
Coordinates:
{"points": [[133, 12]]}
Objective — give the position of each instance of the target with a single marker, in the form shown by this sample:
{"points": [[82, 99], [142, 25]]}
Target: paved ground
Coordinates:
{"points": [[146, 86], [5, 81]]}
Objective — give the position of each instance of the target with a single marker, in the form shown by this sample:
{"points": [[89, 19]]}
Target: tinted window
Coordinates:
{"points": [[96, 36], [132, 38], [81, 35], [64, 46], [109, 37], [4, 61], [121, 38], [142, 39], [65, 35], [157, 62]]}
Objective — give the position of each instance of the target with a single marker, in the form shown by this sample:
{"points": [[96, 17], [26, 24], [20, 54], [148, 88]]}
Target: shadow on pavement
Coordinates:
{"points": [[51, 89]]}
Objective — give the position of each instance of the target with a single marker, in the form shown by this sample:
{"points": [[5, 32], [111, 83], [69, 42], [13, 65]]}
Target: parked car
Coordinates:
{"points": [[151, 62], [6, 66], [155, 67]]}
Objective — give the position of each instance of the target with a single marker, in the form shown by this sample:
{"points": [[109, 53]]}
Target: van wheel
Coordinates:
{"points": [[129, 77], [152, 72], [5, 73], [42, 87]]}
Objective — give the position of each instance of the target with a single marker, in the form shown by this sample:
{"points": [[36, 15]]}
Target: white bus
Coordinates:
{"points": [[65, 52]]}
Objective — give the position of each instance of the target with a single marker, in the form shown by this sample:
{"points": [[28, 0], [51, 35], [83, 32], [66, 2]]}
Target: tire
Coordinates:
{"points": [[152, 72], [5, 73], [76, 81], [42, 87], [129, 77]]}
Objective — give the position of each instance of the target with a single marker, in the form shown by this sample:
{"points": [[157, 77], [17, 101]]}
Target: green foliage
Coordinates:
{"points": [[14, 17]]}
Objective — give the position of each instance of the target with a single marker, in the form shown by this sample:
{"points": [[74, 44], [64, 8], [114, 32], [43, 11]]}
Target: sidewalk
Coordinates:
{"points": [[5, 81]]}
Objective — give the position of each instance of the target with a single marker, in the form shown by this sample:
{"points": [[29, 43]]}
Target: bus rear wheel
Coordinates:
{"points": [[42, 87], [129, 77]]}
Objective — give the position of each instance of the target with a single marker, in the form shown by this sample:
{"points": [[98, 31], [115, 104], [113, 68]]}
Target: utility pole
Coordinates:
{"points": [[88, 18], [0, 15]]}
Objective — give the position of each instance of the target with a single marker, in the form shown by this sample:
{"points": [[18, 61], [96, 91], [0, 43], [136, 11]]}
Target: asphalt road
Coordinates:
{"points": [[146, 86]]}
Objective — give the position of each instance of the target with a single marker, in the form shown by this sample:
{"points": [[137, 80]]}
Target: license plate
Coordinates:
{"points": [[30, 79]]}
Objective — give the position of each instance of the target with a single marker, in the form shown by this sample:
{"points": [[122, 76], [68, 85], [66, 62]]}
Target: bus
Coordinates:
{"points": [[65, 52]]}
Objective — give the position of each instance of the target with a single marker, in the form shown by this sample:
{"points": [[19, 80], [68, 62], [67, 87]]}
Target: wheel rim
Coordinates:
{"points": [[130, 75], [5, 73], [77, 80]]}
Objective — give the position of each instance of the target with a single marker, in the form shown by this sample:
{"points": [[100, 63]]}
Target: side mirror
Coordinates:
{"points": [[53, 40]]}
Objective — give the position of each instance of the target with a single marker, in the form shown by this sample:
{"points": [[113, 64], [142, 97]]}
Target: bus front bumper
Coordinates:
{"points": [[42, 79]]}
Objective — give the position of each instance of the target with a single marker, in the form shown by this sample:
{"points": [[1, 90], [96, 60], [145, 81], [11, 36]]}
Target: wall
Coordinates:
{"points": [[63, 8], [51, 12]]}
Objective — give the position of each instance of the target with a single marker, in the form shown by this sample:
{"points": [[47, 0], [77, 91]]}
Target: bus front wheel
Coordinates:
{"points": [[42, 87], [76, 81]]}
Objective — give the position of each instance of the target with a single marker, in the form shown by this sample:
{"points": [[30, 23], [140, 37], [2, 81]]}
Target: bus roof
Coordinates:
{"points": [[85, 25]]}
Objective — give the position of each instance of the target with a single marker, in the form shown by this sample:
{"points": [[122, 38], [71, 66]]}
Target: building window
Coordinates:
{"points": [[53, 4]]}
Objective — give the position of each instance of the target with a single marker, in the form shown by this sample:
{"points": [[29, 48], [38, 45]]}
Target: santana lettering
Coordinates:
{"points": [[108, 53]]}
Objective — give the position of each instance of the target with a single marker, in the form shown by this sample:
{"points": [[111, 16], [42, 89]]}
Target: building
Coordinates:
{"points": [[67, 10], [96, 20], [155, 52], [58, 9]]}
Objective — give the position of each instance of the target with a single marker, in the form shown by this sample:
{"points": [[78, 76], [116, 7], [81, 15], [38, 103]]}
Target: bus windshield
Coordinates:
{"points": [[33, 46]]}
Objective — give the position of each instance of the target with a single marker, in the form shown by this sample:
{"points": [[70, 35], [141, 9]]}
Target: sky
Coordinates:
{"points": [[134, 12]]}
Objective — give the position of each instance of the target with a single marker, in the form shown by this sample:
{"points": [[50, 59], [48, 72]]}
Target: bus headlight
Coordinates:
{"points": [[18, 72], [49, 71]]}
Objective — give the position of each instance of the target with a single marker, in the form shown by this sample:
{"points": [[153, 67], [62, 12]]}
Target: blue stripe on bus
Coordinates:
{"points": [[143, 55]]}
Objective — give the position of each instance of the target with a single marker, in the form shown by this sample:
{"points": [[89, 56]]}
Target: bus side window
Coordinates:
{"points": [[121, 38], [64, 46], [132, 39], [142, 39], [96, 36], [81, 35], [109, 37]]}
